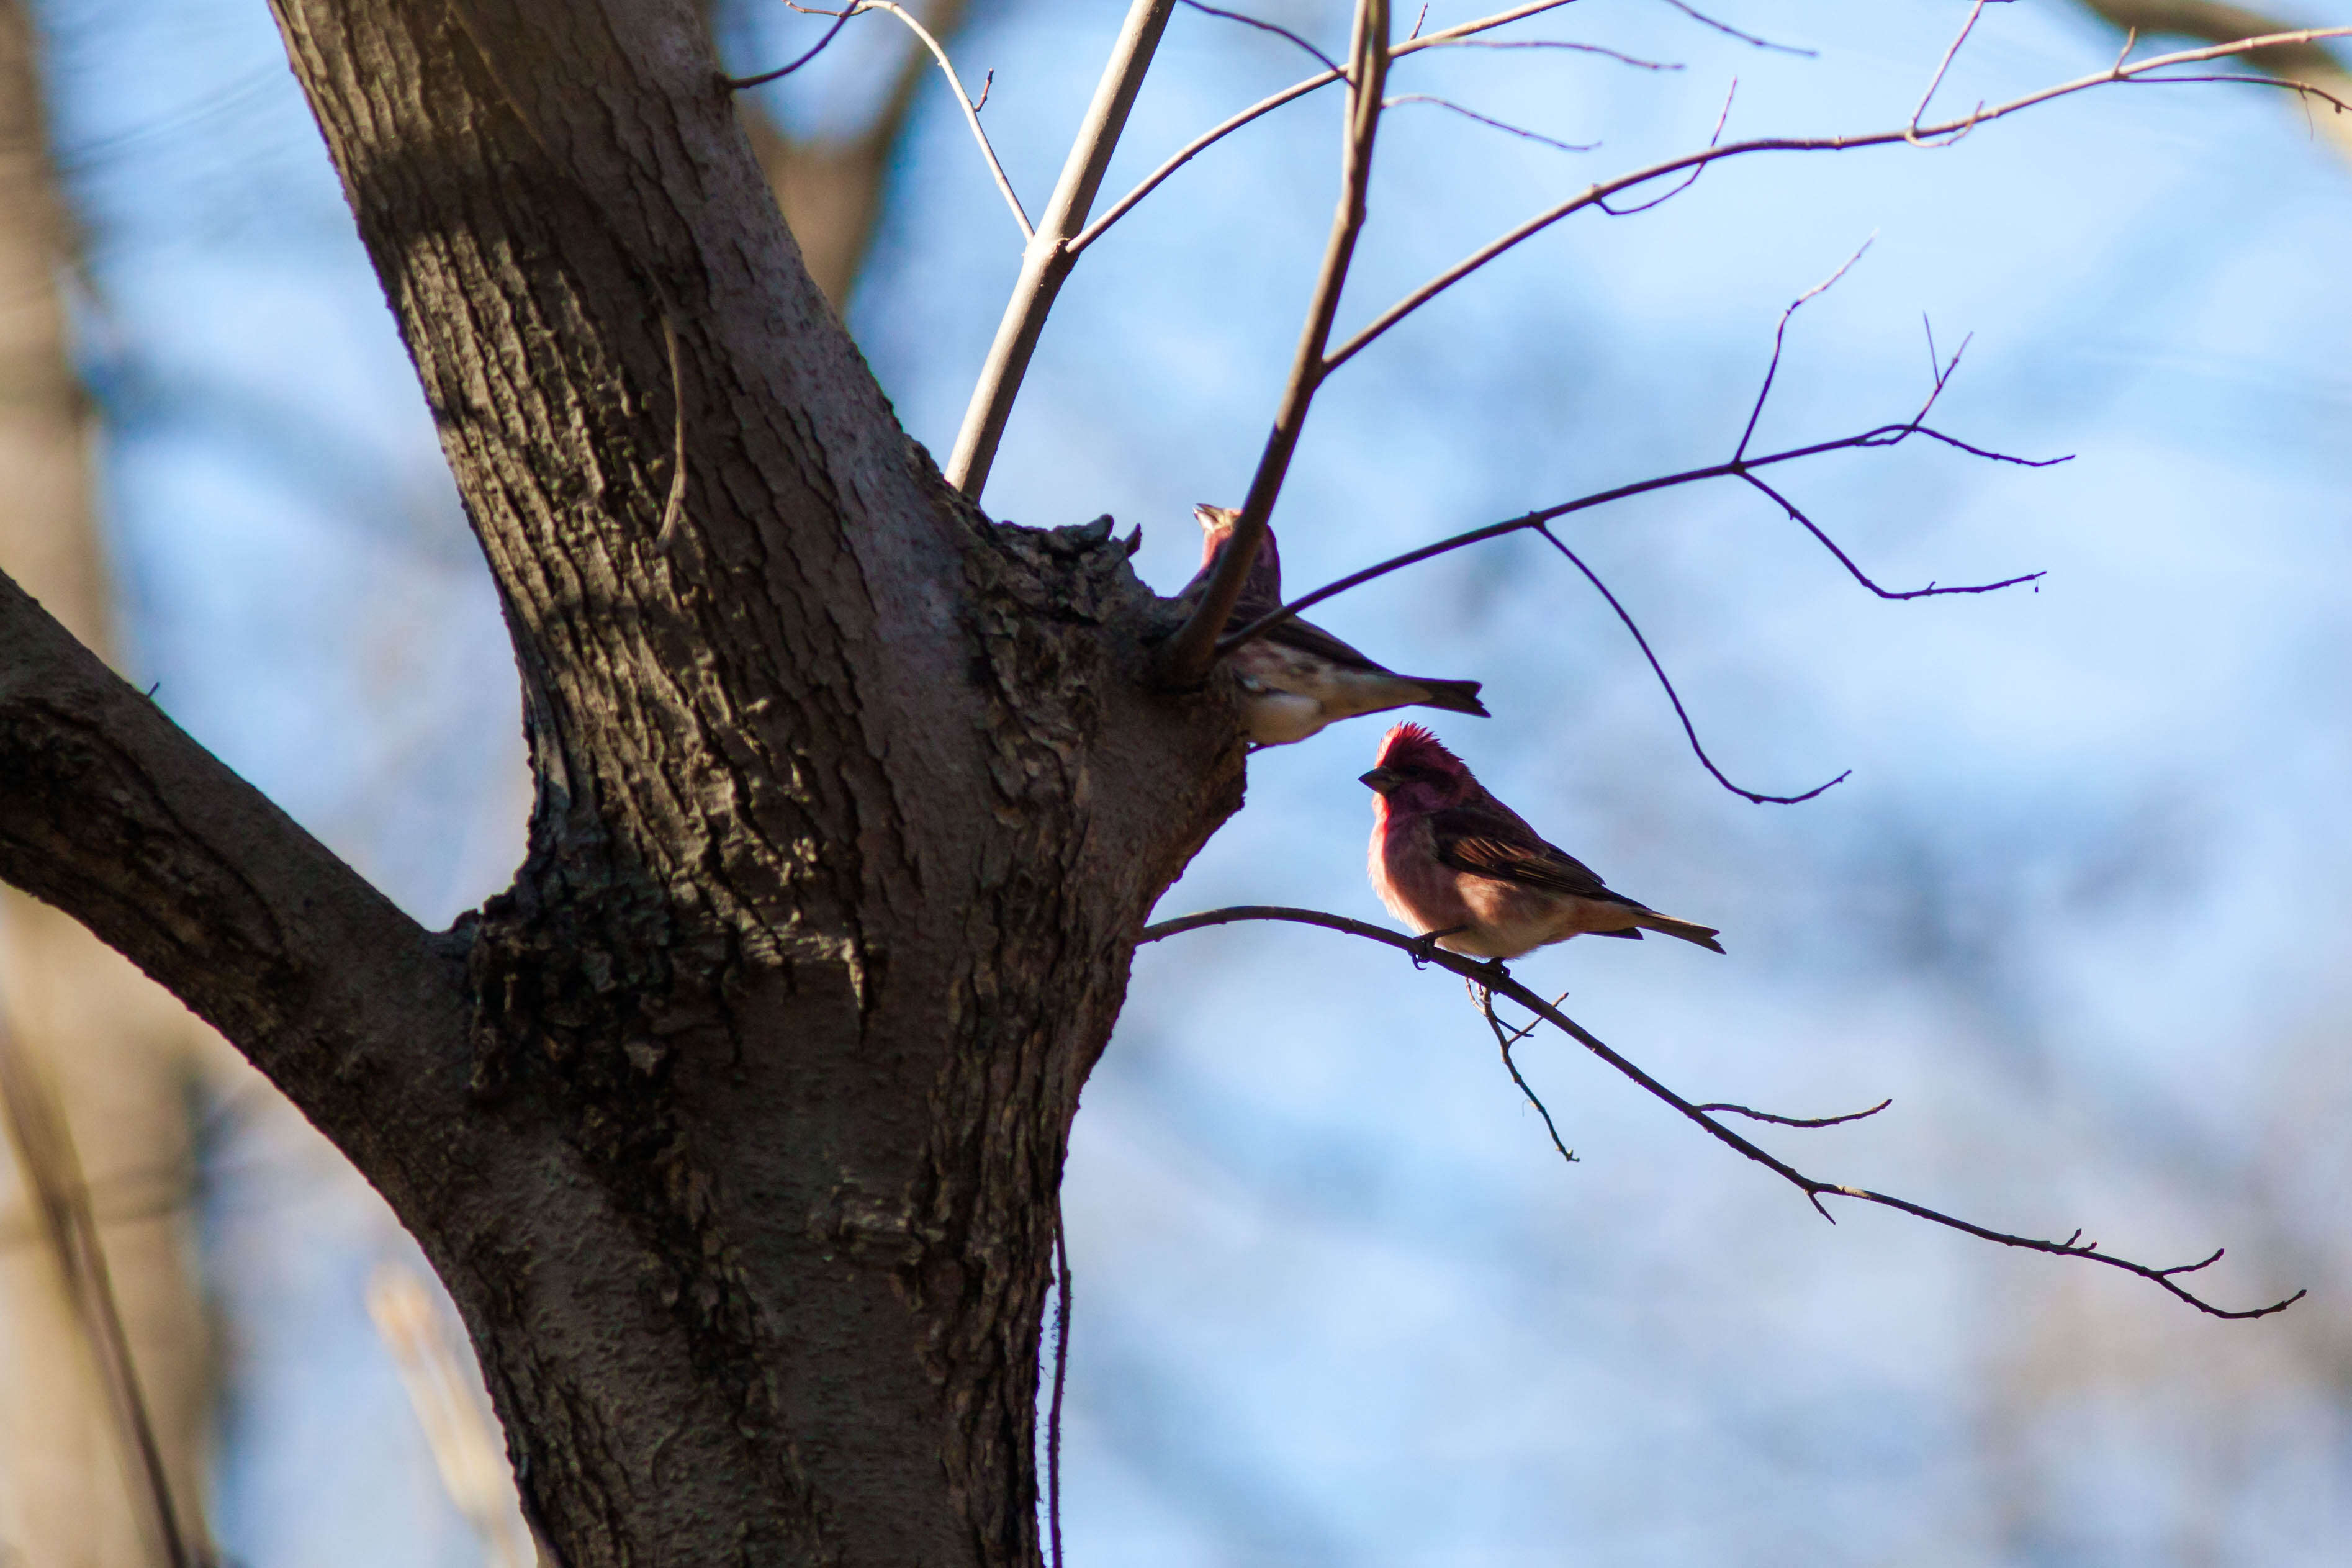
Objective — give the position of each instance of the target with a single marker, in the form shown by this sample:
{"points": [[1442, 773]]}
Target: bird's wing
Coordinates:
{"points": [[1306, 637], [1491, 841]]}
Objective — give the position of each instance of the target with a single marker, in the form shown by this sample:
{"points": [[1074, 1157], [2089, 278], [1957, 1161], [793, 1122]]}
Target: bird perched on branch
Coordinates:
{"points": [[1295, 677], [1469, 874]]}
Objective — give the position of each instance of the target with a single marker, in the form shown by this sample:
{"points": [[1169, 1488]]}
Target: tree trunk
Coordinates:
{"points": [[735, 1126]]}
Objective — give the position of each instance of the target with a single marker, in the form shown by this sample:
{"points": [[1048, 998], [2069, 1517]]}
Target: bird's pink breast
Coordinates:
{"points": [[1406, 873]]}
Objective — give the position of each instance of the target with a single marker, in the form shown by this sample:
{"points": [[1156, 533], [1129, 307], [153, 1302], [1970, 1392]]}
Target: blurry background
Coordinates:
{"points": [[2081, 909]]}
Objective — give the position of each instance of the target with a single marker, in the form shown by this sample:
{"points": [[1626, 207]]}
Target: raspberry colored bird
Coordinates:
{"points": [[1465, 871], [1295, 677]]}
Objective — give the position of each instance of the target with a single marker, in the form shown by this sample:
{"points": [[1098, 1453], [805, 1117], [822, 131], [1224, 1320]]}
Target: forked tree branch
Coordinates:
{"points": [[2297, 65], [1298, 89], [1739, 465], [1943, 132], [1050, 254], [1492, 976], [1185, 658], [947, 69], [111, 813]]}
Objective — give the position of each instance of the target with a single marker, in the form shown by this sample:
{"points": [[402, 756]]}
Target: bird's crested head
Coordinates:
{"points": [[1414, 772], [1217, 529]]}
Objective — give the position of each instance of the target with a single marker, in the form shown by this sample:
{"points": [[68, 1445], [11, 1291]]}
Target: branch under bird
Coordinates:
{"points": [[1469, 874], [1295, 677]]}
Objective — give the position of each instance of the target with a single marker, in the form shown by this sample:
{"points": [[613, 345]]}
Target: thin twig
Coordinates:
{"points": [[1739, 467], [1942, 66], [1618, 55], [1722, 119], [955, 83], [1061, 1375], [1265, 105], [840, 20], [1597, 195], [1794, 1120], [1185, 658], [1727, 29], [1506, 1039], [1496, 124], [1052, 252], [1264, 27], [1492, 975], [1780, 338], [1682, 713]]}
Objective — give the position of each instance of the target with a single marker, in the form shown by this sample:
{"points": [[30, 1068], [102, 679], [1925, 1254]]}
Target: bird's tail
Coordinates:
{"points": [[1456, 696], [1689, 930]]}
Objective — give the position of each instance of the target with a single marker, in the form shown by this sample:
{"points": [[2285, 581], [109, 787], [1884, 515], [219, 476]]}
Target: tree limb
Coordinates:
{"points": [[1050, 254], [1491, 975], [113, 815], [1942, 133]]}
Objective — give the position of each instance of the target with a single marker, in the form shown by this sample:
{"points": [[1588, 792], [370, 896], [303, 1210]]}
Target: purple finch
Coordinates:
{"points": [[1469, 874], [1295, 677]]}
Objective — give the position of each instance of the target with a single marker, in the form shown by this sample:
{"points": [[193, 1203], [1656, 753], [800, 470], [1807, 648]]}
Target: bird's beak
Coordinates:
{"points": [[1379, 780]]}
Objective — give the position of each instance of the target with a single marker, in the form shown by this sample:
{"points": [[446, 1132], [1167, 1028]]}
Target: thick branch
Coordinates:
{"points": [[112, 814], [1050, 254], [1491, 975]]}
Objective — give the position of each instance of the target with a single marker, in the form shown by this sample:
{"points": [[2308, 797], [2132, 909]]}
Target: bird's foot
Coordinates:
{"points": [[1425, 946]]}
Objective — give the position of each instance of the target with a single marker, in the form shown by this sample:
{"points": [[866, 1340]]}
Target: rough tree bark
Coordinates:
{"points": [[735, 1125]]}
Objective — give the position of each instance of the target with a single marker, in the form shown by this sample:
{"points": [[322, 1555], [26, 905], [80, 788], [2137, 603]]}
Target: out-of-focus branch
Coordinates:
{"points": [[115, 1052], [60, 1199], [2309, 63], [1185, 658], [1050, 254], [830, 188], [437, 1369], [1491, 975]]}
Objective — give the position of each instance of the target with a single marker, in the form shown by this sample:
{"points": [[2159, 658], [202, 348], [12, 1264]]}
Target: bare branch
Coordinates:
{"points": [[840, 20], [1496, 124], [955, 84], [1295, 90], [1185, 658], [1326, 62], [1725, 28], [1492, 975], [1943, 66], [1052, 249], [1597, 195], [1672, 696], [1618, 55], [1794, 1120], [1740, 466], [1780, 338], [1507, 1038]]}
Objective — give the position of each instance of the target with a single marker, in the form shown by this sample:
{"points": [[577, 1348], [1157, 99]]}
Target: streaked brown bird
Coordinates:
{"points": [[1295, 677], [1469, 874]]}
